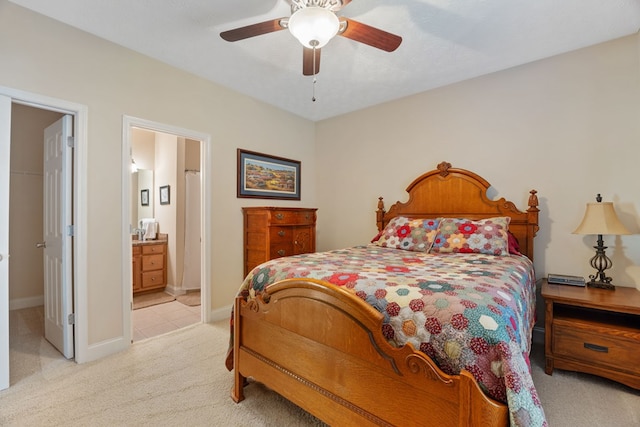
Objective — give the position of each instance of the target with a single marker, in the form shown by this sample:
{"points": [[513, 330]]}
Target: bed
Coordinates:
{"points": [[322, 331]]}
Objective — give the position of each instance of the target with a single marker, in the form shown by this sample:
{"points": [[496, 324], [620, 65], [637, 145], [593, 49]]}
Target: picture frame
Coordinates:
{"points": [[264, 176], [144, 197], [165, 195]]}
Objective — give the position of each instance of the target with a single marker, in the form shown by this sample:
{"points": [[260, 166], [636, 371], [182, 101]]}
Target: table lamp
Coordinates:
{"points": [[599, 219]]}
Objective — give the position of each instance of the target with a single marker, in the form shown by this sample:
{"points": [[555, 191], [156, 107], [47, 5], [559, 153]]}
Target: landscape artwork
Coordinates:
{"points": [[268, 177]]}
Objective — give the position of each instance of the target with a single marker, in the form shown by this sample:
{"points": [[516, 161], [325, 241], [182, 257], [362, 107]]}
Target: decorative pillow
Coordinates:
{"points": [[514, 245], [460, 235], [409, 234], [377, 237]]}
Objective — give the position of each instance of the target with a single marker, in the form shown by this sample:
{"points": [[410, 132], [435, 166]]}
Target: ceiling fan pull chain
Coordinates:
{"points": [[313, 96]]}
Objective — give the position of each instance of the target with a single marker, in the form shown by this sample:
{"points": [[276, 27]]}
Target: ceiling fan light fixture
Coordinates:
{"points": [[314, 26]]}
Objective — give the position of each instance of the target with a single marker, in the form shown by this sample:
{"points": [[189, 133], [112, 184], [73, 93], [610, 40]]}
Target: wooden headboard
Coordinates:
{"points": [[459, 193]]}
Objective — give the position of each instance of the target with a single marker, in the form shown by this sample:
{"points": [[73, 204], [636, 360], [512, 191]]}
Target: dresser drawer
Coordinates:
{"points": [[293, 217], [152, 279], [280, 234], [152, 262], [281, 249], [153, 249], [613, 348]]}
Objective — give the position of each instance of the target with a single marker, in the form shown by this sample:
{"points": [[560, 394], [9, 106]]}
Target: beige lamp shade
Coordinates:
{"points": [[601, 218]]}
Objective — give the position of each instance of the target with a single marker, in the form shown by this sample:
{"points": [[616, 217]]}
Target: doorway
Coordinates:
{"points": [[166, 158], [28, 177]]}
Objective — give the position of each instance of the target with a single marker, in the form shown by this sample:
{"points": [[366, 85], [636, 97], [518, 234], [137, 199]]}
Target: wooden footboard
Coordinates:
{"points": [[323, 349]]}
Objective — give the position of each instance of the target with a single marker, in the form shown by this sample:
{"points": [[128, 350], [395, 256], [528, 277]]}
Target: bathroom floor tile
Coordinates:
{"points": [[162, 318]]}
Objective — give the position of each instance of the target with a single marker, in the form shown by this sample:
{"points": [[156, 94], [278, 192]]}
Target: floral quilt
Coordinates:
{"points": [[465, 311]]}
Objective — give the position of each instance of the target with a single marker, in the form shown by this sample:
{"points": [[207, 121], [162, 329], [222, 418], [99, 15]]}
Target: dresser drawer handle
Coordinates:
{"points": [[279, 216], [281, 252], [597, 348], [281, 233]]}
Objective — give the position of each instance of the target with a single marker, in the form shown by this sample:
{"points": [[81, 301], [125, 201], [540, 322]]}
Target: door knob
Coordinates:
{"points": [[41, 245]]}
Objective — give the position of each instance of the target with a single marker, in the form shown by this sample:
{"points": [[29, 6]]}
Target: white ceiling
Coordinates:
{"points": [[444, 41]]}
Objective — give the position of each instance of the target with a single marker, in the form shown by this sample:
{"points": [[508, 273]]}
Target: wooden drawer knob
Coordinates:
{"points": [[279, 216], [281, 233], [281, 252]]}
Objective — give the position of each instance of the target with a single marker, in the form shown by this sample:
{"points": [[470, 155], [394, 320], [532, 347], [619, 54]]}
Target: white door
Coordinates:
{"points": [[5, 150], [56, 242]]}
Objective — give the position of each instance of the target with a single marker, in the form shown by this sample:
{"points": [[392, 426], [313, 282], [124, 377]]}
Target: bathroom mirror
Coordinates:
{"points": [[141, 196]]}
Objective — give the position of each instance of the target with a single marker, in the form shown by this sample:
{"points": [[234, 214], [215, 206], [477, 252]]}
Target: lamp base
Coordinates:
{"points": [[601, 285]]}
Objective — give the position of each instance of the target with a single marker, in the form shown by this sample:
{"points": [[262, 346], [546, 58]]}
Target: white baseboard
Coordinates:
{"points": [[173, 290], [176, 291], [19, 303], [220, 314]]}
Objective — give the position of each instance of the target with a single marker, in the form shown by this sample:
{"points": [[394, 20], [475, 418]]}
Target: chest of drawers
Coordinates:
{"points": [[273, 232]]}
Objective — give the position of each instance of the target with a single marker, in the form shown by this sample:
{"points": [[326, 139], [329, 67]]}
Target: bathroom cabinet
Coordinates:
{"points": [[149, 266], [137, 268]]}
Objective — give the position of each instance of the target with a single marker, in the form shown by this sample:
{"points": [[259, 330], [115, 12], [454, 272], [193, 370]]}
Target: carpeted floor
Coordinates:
{"points": [[179, 379]]}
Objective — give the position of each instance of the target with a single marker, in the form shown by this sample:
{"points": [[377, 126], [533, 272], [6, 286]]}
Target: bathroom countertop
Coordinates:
{"points": [[136, 242], [162, 238]]}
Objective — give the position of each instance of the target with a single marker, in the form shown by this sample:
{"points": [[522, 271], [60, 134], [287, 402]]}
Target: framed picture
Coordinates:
{"points": [[267, 177], [165, 196], [144, 197]]}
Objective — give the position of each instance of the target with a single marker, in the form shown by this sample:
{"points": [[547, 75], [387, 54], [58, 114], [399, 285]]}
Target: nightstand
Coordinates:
{"points": [[590, 330]]}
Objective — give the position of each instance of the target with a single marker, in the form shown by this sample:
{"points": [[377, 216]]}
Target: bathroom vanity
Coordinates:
{"points": [[149, 264]]}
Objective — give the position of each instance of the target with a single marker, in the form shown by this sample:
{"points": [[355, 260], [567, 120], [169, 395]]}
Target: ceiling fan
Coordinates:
{"points": [[314, 23]]}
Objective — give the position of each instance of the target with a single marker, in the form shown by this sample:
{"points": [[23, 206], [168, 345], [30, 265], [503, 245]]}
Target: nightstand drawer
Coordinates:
{"points": [[612, 348]]}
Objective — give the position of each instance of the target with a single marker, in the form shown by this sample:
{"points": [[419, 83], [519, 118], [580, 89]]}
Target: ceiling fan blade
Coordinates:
{"points": [[372, 36], [307, 61], [252, 30]]}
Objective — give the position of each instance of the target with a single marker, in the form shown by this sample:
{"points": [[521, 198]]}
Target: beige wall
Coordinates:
{"points": [[567, 126], [167, 153], [26, 276], [42, 56]]}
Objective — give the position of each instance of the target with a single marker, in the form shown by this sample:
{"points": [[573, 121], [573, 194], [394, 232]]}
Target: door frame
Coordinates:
{"points": [[79, 275], [206, 163]]}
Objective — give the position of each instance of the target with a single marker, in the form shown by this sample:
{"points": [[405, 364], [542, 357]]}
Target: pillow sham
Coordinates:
{"points": [[514, 245], [409, 234], [461, 235]]}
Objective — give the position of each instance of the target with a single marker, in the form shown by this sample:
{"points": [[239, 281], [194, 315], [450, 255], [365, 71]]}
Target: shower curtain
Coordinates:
{"points": [[192, 241]]}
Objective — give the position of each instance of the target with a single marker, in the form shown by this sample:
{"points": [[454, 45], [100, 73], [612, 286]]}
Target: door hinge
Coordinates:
{"points": [[71, 142], [71, 230], [71, 319]]}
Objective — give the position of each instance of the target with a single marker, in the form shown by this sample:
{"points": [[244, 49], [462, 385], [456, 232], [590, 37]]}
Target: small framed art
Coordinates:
{"points": [[264, 176], [165, 195], [144, 197]]}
